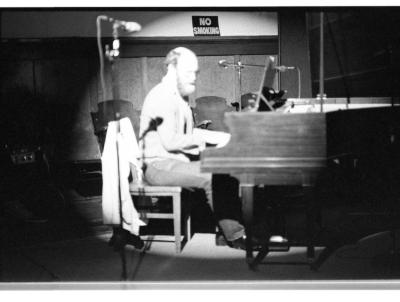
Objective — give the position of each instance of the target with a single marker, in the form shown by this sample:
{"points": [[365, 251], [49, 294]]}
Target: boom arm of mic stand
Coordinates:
{"points": [[251, 65], [226, 64]]}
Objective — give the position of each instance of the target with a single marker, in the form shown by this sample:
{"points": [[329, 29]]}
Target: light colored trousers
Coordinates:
{"points": [[172, 172]]}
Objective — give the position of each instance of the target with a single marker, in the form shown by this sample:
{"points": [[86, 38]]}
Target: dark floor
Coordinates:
{"points": [[69, 250], [57, 236]]}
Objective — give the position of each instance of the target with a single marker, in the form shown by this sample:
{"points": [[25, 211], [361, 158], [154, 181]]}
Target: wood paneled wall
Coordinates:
{"points": [[62, 75]]}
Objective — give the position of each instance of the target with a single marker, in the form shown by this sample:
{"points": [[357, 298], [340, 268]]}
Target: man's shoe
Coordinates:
{"points": [[135, 241], [278, 244], [122, 237], [240, 244]]}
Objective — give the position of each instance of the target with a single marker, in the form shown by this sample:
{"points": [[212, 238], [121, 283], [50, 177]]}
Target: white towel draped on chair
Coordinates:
{"points": [[124, 144]]}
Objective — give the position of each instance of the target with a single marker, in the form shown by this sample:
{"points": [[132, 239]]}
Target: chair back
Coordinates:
{"points": [[112, 110], [135, 119], [212, 108]]}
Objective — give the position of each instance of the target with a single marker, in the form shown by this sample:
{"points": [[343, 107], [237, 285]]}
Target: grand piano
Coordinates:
{"points": [[272, 148]]}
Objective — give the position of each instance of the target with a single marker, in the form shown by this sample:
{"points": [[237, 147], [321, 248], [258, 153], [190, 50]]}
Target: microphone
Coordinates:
{"points": [[284, 68], [223, 63], [130, 27], [124, 25], [153, 125]]}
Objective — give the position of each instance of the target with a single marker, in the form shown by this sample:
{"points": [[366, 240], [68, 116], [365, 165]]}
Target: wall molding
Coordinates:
{"points": [[136, 47]]}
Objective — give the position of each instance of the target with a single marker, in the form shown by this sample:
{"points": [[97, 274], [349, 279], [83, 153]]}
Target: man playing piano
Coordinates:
{"points": [[168, 149]]}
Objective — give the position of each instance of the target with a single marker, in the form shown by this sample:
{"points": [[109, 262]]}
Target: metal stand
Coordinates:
{"points": [[112, 56], [239, 67], [321, 96]]}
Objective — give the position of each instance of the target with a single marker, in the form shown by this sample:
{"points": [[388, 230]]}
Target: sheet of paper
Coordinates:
{"points": [[217, 138]]}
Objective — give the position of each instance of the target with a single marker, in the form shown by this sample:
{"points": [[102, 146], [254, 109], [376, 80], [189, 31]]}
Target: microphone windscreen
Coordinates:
{"points": [[132, 27], [222, 63]]}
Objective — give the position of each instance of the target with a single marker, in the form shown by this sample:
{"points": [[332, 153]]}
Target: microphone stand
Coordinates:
{"points": [[239, 69], [141, 163], [239, 66], [321, 96], [112, 56], [153, 125], [298, 82]]}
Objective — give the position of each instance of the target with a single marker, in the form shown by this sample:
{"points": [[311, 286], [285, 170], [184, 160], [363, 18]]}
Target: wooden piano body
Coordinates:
{"points": [[272, 148]]}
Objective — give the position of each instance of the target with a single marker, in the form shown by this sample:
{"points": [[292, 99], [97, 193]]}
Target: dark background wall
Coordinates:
{"points": [[57, 82], [49, 86], [56, 78], [293, 46], [362, 51], [46, 90]]}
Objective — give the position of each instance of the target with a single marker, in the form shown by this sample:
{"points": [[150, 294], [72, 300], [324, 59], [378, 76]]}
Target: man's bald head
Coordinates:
{"points": [[179, 54]]}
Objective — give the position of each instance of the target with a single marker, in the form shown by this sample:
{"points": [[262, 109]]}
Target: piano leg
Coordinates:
{"points": [[311, 217], [247, 191], [247, 208], [260, 257]]}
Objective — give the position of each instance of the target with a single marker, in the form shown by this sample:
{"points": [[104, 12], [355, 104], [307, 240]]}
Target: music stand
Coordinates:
{"points": [[267, 80]]}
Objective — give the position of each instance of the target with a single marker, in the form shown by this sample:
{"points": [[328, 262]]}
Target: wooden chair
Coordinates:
{"points": [[175, 194], [100, 120]]}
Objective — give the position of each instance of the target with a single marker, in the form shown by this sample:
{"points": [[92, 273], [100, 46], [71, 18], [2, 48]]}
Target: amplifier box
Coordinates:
{"points": [[23, 156]]}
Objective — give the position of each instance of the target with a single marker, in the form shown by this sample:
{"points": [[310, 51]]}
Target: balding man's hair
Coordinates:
{"points": [[174, 55]]}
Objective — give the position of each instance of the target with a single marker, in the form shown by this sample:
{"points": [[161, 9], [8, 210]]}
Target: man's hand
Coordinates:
{"points": [[204, 124]]}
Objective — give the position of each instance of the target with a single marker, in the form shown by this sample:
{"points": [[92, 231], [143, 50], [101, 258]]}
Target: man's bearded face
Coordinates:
{"points": [[186, 74]]}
